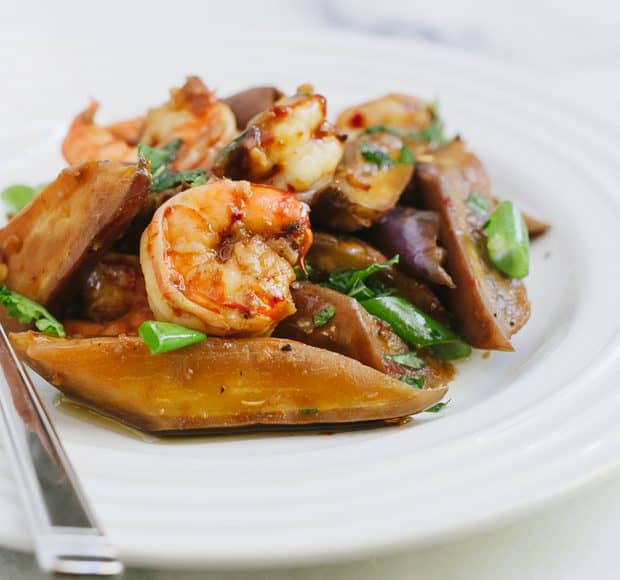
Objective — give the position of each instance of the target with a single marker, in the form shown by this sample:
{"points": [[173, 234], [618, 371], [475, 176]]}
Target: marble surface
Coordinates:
{"points": [[579, 54]]}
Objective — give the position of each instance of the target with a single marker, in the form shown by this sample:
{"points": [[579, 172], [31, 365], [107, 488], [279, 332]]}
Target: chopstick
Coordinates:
{"points": [[65, 534]]}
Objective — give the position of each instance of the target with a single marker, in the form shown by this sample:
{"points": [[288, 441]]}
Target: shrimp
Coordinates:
{"points": [[405, 112], [219, 257], [193, 114], [87, 141], [291, 146]]}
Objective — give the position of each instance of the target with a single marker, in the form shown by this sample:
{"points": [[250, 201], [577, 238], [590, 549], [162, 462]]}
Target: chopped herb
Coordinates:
{"points": [[299, 273], [18, 196], [160, 159], [380, 158], [434, 132], [408, 359], [323, 317], [312, 411], [352, 282], [436, 408], [165, 336], [417, 382], [29, 312], [405, 157], [477, 203]]}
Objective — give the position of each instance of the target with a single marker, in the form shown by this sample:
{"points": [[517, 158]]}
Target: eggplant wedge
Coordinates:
{"points": [[72, 222], [355, 333], [412, 234], [488, 308], [330, 253], [219, 383], [247, 104], [374, 172]]}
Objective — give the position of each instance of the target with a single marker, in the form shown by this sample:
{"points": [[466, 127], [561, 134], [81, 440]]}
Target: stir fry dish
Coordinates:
{"points": [[245, 262]]}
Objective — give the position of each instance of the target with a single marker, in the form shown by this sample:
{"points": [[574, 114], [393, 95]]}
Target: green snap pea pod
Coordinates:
{"points": [[416, 327], [165, 336], [508, 241]]}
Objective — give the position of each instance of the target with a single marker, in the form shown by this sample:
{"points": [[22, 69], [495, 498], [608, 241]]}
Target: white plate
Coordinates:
{"points": [[522, 428]]}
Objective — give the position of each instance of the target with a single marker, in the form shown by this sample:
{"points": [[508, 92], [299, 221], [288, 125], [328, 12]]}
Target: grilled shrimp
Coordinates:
{"points": [[291, 145], [87, 141], [406, 112], [193, 114], [219, 257]]}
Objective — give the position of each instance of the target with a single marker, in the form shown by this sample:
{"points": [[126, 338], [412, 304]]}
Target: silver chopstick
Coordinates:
{"points": [[66, 536]]}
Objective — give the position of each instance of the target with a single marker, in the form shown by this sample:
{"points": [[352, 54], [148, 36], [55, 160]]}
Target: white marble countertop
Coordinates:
{"points": [[580, 52]]}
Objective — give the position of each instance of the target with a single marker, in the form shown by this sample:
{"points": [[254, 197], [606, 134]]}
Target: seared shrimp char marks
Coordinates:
{"points": [[219, 257], [193, 114], [291, 146]]}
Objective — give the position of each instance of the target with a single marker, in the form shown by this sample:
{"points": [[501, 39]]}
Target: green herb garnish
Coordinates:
{"points": [[300, 275], [323, 317], [405, 156], [352, 282], [17, 197], [417, 382], [312, 411], [165, 336], [160, 159], [30, 312], [373, 154], [436, 408], [477, 203], [408, 359]]}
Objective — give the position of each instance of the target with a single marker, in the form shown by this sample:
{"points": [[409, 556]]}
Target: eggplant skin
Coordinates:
{"points": [[250, 102], [355, 333], [330, 253], [219, 383], [488, 308], [412, 234], [72, 222]]}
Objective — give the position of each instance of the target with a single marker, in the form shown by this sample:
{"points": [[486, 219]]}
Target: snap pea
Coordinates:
{"points": [[507, 241], [165, 336], [416, 327]]}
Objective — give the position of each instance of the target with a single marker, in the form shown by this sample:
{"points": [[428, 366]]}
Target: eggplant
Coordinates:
{"points": [[353, 332], [330, 253], [219, 383], [248, 103], [369, 180], [68, 226], [488, 308], [412, 234]]}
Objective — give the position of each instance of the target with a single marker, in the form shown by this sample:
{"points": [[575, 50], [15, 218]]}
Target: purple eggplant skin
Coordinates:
{"points": [[412, 234], [250, 102]]}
